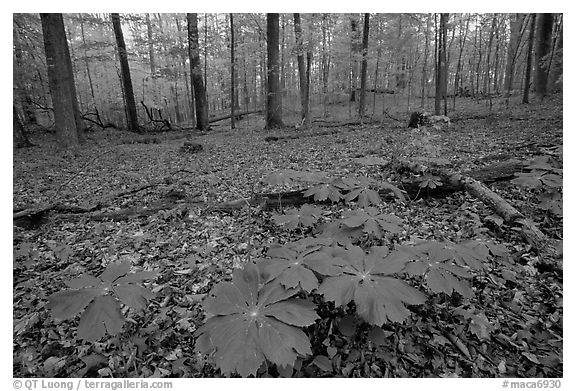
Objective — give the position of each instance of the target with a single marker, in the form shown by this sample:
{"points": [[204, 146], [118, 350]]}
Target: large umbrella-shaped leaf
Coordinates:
{"points": [[367, 280], [102, 316], [306, 216], [323, 192], [436, 262], [360, 189], [290, 264], [93, 294], [249, 322], [372, 221]]}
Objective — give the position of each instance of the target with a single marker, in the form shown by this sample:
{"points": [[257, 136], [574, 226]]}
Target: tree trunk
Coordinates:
{"points": [[189, 94], [86, 64], [354, 59], [526, 97], [457, 77], [61, 81], [555, 76], [512, 53], [543, 48], [274, 95], [363, 72], [441, 79], [302, 71], [132, 117], [325, 63], [150, 45], [425, 66], [232, 75], [196, 73], [21, 87]]}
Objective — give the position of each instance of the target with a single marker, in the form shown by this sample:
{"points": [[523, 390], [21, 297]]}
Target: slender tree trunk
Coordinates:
{"points": [[274, 95], [86, 64], [425, 66], [457, 77], [325, 63], [543, 48], [354, 59], [516, 29], [189, 93], [364, 71], [68, 123], [132, 116], [302, 71], [527, 76], [556, 68], [232, 75], [377, 70], [487, 73], [283, 59], [196, 73], [441, 79], [150, 45], [21, 87]]}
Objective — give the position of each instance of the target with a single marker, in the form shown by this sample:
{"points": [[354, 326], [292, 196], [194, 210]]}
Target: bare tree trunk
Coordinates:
{"points": [[487, 74], [441, 74], [543, 48], [457, 76], [303, 72], [325, 63], [354, 60], [364, 70], [88, 74], [196, 73], [425, 66], [68, 123], [21, 87], [555, 76], [150, 45], [516, 29], [274, 95], [189, 94], [377, 70], [232, 75], [526, 97], [132, 116]]}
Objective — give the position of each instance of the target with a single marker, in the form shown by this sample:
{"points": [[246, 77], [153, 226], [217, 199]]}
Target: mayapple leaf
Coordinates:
{"points": [[84, 281], [134, 296], [306, 216], [290, 264], [323, 192], [360, 189], [115, 270], [68, 303], [367, 280], [102, 316], [372, 221], [444, 265], [250, 322]]}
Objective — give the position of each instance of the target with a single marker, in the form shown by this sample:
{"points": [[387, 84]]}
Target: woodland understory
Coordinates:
{"points": [[141, 198]]}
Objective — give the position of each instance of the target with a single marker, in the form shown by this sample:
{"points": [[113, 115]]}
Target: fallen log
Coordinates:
{"points": [[299, 135], [237, 116]]}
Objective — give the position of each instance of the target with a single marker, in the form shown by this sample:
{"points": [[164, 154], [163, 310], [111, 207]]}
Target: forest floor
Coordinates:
{"points": [[193, 246]]}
